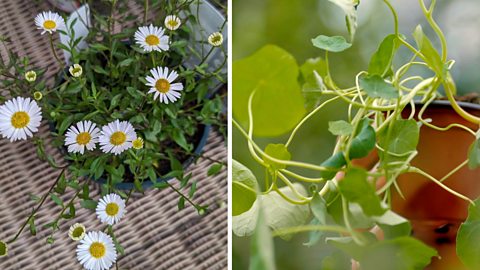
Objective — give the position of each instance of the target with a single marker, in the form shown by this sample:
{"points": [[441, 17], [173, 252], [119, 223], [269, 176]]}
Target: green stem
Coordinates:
{"points": [[308, 228], [42, 201], [55, 52]]}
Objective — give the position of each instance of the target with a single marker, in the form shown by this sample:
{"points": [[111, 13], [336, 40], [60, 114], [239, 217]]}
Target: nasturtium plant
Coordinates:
{"points": [[268, 80], [349, 195]]}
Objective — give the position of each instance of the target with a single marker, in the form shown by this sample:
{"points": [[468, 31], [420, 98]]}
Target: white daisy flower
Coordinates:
{"points": [[137, 143], [19, 118], [96, 251], [117, 137], [76, 70], [31, 76], [82, 135], [161, 85], [215, 39], [49, 22], [77, 232], [110, 209], [152, 38], [172, 22]]}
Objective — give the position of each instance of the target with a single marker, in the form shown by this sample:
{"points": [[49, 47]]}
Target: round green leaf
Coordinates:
{"points": [[332, 44], [278, 104], [244, 186], [468, 238], [376, 87]]}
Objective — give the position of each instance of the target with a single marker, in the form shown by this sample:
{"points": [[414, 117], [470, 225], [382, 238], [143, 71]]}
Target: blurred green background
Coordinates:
{"points": [[290, 25]]}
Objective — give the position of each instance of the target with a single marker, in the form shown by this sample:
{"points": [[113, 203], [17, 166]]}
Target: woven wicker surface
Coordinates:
{"points": [[154, 233]]}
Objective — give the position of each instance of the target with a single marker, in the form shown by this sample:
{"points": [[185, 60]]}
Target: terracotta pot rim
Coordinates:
{"points": [[446, 103]]}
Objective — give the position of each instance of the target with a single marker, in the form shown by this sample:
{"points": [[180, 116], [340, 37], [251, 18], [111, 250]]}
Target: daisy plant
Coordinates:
{"points": [[127, 111], [336, 200]]}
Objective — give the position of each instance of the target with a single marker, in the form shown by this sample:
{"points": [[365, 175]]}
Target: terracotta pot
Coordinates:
{"points": [[435, 213]]}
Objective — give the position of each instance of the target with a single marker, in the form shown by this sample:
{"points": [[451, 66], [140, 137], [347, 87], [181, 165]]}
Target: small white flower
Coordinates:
{"points": [[152, 38], [19, 118], [172, 22], [96, 251], [117, 137], [137, 143], [161, 85], [31, 76], [110, 209], [76, 70], [49, 22], [215, 39], [77, 232], [82, 135]]}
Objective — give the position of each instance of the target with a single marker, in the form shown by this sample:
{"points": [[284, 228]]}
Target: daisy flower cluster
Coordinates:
{"points": [[96, 250], [115, 137]]}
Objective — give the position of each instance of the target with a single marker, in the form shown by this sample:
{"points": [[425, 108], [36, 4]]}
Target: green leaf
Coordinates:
{"points": [[340, 127], [347, 245], [262, 248], [474, 155], [431, 55], [126, 62], [3, 249], [376, 87], [398, 141], [89, 204], [355, 188], [364, 141], [350, 9], [278, 151], [245, 223], [335, 162], [381, 61], [332, 44], [244, 186], [272, 73], [403, 253], [468, 237], [31, 225], [181, 203], [393, 225], [56, 199], [281, 214], [318, 206], [215, 169]]}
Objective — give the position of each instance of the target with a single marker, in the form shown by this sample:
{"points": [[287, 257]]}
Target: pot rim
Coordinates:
{"points": [[446, 103]]}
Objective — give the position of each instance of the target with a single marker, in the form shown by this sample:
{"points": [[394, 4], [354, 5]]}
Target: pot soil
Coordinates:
{"points": [[436, 214]]}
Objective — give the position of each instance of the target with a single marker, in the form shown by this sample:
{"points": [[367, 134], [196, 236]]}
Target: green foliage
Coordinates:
{"points": [[381, 61], [468, 237], [474, 154], [278, 104], [278, 151], [398, 141], [377, 87], [331, 44], [244, 186], [364, 141], [355, 188], [3, 249], [262, 251], [430, 54], [340, 127]]}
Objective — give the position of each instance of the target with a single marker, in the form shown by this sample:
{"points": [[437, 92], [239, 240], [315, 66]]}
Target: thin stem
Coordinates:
{"points": [[55, 52], [308, 228], [38, 207]]}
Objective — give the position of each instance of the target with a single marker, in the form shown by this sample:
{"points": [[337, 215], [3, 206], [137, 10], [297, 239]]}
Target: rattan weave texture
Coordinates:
{"points": [[154, 234]]}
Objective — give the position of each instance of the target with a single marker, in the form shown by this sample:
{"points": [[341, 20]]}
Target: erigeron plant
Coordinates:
{"points": [[127, 109], [268, 102]]}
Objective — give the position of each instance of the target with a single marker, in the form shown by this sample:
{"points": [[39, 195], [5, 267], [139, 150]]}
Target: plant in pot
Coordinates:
{"points": [[130, 110], [399, 188]]}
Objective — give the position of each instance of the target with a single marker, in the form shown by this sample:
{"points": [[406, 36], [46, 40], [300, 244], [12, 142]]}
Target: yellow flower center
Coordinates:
{"points": [[216, 39], [77, 232], [152, 40], [76, 70], [112, 209], [97, 250], [172, 23], [20, 119], [162, 85], [138, 143], [49, 24], [83, 138], [118, 138]]}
